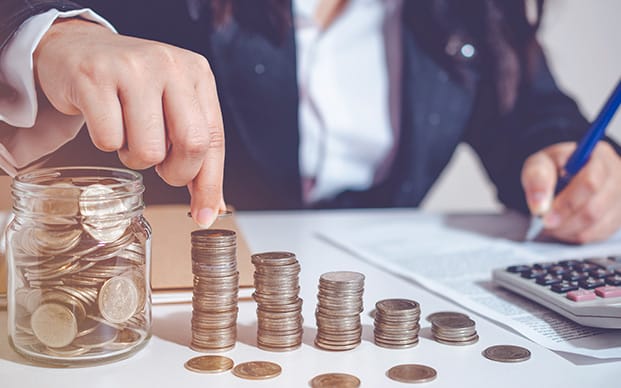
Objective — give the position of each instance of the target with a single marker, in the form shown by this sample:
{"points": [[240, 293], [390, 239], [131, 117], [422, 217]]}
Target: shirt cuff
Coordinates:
{"points": [[19, 108], [30, 127]]}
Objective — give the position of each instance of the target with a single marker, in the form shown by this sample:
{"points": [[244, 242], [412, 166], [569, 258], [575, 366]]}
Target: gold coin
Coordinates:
{"points": [[209, 364], [118, 299], [257, 370], [335, 380], [54, 325], [412, 373]]}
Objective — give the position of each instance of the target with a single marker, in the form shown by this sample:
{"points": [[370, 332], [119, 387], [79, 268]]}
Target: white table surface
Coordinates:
{"points": [[160, 363]]}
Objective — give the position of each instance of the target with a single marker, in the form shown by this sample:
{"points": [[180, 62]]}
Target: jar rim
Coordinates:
{"points": [[29, 179]]}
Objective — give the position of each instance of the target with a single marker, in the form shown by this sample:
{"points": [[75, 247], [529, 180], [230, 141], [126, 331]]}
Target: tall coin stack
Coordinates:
{"points": [[279, 307], [338, 310], [454, 330], [216, 285], [396, 323]]}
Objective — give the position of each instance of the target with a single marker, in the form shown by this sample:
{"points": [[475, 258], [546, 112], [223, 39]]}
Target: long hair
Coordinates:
{"points": [[500, 30]]}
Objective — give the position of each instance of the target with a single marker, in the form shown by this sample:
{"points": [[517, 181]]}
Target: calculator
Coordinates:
{"points": [[587, 291]]}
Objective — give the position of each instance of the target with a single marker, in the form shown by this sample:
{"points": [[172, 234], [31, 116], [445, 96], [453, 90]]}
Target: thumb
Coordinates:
{"points": [[539, 175]]}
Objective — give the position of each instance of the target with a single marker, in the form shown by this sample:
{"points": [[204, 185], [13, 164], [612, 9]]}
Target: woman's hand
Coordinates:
{"points": [[154, 104], [589, 208]]}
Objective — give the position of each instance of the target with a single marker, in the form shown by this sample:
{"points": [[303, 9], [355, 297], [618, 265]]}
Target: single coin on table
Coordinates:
{"points": [[209, 364], [412, 373], [506, 353], [257, 370], [335, 380]]}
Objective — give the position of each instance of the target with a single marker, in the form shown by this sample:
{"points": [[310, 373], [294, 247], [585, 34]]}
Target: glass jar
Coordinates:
{"points": [[78, 252]]}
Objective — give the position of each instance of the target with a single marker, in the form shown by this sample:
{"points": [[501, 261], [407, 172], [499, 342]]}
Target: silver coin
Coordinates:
{"points": [[507, 353]]}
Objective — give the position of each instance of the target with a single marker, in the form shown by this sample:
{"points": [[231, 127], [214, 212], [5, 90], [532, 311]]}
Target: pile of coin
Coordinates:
{"points": [[453, 328], [215, 292], [396, 323], [338, 310], [279, 307], [79, 285]]}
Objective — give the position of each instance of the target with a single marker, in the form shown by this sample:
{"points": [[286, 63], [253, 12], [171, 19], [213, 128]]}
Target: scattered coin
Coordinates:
{"points": [[412, 373], [209, 364], [507, 353], [335, 380], [257, 370]]}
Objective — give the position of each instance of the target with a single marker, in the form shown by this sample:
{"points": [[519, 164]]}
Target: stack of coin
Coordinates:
{"points": [[279, 308], [216, 285], [338, 310], [456, 329], [78, 291], [396, 323]]}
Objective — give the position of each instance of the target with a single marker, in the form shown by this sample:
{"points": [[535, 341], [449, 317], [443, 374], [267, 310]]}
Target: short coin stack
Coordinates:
{"points": [[216, 285], [279, 307], [396, 323], [456, 329], [338, 310]]}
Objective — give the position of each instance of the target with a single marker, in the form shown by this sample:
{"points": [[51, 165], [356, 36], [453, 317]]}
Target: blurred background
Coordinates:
{"points": [[582, 43]]}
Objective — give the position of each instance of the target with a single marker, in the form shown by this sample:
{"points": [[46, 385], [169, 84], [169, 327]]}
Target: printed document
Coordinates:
{"points": [[441, 253]]}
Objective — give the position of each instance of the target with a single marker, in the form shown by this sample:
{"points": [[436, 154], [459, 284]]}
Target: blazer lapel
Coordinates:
{"points": [[258, 84], [436, 109]]}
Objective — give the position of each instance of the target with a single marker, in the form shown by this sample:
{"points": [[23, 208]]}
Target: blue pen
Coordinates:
{"points": [[581, 155]]}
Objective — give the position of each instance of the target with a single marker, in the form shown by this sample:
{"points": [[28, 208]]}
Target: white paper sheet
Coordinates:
{"points": [[457, 264]]}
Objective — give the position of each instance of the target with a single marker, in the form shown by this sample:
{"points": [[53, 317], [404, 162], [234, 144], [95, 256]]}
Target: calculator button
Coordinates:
{"points": [[581, 295], [585, 267], [606, 262], [575, 275], [543, 265], [614, 280], [591, 283], [601, 273], [533, 273], [569, 263], [549, 279], [518, 268], [608, 291], [564, 286], [558, 270]]}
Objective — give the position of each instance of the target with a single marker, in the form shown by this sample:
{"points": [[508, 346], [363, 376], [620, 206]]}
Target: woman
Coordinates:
{"points": [[326, 104]]}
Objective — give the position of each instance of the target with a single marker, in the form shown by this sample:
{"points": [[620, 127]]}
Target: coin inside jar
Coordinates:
{"points": [[412, 373], [118, 299], [257, 370], [335, 380], [209, 364], [54, 325]]}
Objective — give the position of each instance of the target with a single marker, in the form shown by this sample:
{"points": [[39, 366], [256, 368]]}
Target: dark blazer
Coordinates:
{"points": [[260, 104]]}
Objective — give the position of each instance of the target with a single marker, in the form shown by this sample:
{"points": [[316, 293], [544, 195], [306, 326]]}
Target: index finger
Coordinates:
{"points": [[206, 187]]}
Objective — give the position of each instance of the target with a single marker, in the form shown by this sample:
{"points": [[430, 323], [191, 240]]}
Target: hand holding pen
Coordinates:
{"points": [[574, 191]]}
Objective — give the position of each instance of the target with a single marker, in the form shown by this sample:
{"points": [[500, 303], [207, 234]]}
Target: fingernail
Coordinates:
{"points": [[206, 217], [540, 202], [552, 220]]}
